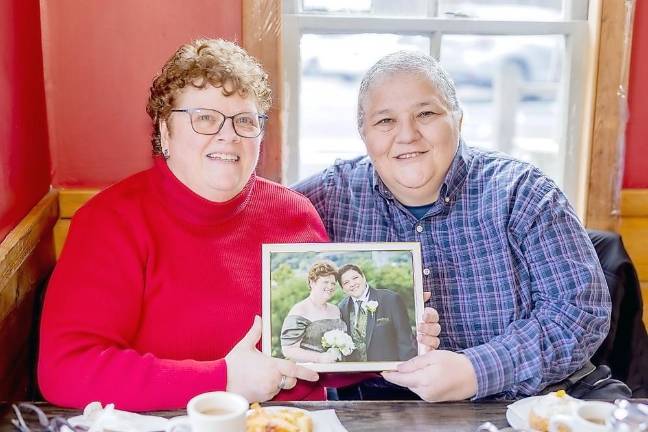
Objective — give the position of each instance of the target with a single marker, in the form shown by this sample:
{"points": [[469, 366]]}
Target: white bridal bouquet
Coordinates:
{"points": [[339, 342]]}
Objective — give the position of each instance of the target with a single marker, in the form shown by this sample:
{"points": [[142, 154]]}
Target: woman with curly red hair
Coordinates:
{"points": [[160, 278]]}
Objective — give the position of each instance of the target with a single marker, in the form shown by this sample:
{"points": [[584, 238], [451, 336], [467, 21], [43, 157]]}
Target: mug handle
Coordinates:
{"points": [[178, 424], [561, 420]]}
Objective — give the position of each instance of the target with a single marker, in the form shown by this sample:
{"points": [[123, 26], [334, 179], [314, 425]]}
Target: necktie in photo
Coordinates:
{"points": [[361, 315]]}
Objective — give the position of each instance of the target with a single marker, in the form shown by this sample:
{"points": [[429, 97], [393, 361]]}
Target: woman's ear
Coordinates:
{"points": [[164, 133], [164, 138]]}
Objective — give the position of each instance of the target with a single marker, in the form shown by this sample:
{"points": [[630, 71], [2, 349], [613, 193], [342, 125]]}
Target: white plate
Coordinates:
{"points": [[518, 412]]}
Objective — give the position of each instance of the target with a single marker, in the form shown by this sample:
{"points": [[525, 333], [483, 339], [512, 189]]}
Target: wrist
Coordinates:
{"points": [[469, 382]]}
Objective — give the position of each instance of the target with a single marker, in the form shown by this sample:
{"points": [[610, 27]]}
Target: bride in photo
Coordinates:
{"points": [[313, 331]]}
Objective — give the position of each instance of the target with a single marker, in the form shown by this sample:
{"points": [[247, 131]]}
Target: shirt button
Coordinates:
{"points": [[419, 228], [426, 271], [447, 199]]}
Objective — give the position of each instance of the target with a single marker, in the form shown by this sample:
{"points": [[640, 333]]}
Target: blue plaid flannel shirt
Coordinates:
{"points": [[513, 274]]}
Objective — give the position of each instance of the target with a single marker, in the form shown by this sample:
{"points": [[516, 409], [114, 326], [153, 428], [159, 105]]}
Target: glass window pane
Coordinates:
{"points": [[332, 67], [532, 10], [509, 88], [370, 7]]}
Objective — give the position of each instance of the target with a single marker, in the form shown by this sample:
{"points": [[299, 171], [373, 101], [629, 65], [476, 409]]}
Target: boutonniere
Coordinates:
{"points": [[370, 306]]}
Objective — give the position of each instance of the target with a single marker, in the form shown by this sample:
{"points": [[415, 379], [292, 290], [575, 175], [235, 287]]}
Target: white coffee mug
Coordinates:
{"points": [[215, 411], [591, 416]]}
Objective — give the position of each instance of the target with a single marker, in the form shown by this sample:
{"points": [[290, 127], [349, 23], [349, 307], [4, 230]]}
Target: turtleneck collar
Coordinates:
{"points": [[191, 207]]}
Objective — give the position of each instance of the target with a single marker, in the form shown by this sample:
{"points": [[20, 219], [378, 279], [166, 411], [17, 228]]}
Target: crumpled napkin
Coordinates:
{"points": [[99, 419]]}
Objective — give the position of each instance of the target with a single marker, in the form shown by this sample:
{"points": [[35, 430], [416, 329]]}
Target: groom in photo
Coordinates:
{"points": [[376, 319]]}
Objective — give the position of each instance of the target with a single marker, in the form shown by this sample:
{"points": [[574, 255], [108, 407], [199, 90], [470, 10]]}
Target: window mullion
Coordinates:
{"points": [[433, 8], [292, 68], [353, 24], [435, 45], [572, 154], [291, 7], [575, 9]]}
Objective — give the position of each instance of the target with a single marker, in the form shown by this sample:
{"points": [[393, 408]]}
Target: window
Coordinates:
{"points": [[517, 65]]}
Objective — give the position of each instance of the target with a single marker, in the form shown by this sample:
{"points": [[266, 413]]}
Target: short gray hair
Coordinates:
{"points": [[410, 62]]}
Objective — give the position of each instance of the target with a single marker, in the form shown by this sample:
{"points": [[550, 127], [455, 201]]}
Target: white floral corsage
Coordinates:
{"points": [[370, 306]]}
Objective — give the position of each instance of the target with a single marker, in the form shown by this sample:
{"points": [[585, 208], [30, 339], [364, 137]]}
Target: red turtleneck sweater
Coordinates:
{"points": [[155, 285]]}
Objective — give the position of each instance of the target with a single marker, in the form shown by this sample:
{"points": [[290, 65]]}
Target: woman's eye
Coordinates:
{"points": [[426, 114], [384, 121], [206, 117], [244, 120]]}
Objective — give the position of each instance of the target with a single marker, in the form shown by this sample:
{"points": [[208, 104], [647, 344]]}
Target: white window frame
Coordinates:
{"points": [[574, 151]]}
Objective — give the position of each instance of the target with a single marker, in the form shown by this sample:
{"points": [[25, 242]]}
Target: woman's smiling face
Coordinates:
{"points": [[411, 136], [323, 288], [353, 283], [216, 167]]}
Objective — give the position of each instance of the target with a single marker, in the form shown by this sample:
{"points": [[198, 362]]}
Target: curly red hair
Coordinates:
{"points": [[321, 269], [201, 62]]}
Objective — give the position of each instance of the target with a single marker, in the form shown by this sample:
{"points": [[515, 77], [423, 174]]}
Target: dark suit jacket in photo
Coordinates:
{"points": [[389, 334]]}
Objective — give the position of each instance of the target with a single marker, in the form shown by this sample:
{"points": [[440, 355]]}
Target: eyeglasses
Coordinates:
{"points": [[209, 122], [54, 424]]}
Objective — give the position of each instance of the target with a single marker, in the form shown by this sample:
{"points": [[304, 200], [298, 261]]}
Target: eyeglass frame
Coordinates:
{"points": [[190, 111]]}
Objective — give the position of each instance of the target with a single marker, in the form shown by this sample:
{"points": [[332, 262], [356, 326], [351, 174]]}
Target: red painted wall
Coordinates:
{"points": [[100, 58], [636, 161], [24, 156]]}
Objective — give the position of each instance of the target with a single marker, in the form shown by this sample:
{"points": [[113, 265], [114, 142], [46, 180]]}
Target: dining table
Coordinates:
{"points": [[355, 416]]}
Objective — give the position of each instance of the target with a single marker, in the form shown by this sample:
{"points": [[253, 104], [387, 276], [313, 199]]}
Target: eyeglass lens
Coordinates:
{"points": [[206, 121]]}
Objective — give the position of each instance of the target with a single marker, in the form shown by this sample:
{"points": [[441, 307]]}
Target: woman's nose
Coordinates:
{"points": [[227, 130], [407, 131]]}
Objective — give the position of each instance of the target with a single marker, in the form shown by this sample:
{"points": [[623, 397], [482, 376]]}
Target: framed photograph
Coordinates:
{"points": [[342, 307]]}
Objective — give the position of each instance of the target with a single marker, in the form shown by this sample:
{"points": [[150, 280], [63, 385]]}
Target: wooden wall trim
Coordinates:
{"points": [[25, 237], [606, 161], [70, 200], [26, 261], [633, 227], [644, 296], [634, 203], [262, 39]]}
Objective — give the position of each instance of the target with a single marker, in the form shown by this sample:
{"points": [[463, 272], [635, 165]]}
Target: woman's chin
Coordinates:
{"points": [[224, 189], [414, 187], [414, 180]]}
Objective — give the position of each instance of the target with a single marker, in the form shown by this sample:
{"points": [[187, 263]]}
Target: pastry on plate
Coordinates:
{"points": [[549, 405], [278, 419]]}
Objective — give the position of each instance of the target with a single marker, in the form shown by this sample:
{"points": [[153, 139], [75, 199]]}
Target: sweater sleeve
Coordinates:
{"points": [[92, 308]]}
